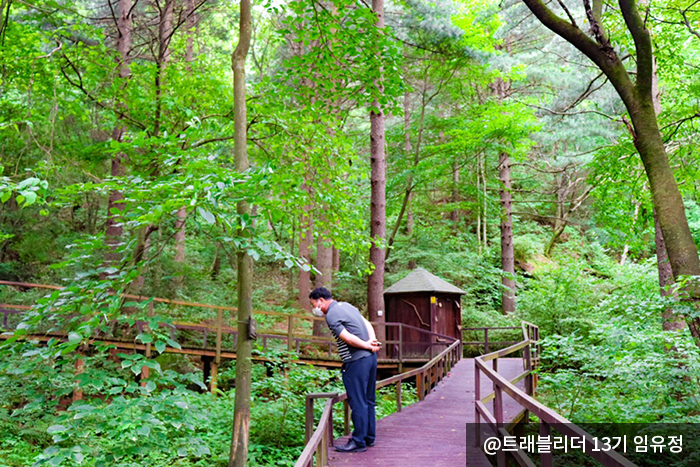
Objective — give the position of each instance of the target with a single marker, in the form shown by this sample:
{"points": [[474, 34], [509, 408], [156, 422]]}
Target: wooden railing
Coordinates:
{"points": [[548, 418], [411, 344], [320, 440], [487, 343]]}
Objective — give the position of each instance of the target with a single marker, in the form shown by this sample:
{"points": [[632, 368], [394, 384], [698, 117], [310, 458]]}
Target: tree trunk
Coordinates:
{"points": [[305, 242], [324, 263], [190, 22], [454, 214], [238, 455], [165, 31], [507, 256], [324, 278], [375, 284], [559, 218], [216, 264], [115, 206], [671, 321], [181, 216], [638, 99], [478, 203], [484, 194], [407, 148], [336, 259], [409, 215]]}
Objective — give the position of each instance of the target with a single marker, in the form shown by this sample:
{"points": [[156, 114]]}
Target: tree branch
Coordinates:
{"points": [[687, 23], [642, 44], [79, 85]]}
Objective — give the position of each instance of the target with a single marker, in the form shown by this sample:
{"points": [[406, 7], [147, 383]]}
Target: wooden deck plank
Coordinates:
{"points": [[433, 432]]}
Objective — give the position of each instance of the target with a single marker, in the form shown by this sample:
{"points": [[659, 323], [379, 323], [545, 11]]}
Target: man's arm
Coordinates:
{"points": [[351, 339]]}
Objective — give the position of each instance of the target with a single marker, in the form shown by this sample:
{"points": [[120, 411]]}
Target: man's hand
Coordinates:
{"points": [[351, 339]]}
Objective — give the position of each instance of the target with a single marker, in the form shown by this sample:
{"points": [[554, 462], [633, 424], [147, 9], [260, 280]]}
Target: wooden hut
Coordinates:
{"points": [[430, 307]]}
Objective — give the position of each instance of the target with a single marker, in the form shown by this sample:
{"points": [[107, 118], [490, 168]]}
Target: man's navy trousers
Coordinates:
{"points": [[360, 380]]}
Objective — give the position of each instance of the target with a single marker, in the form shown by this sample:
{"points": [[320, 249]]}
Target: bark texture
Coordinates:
{"points": [[324, 277], [670, 320], [507, 256], [638, 99], [238, 455], [305, 243], [375, 284], [115, 206]]}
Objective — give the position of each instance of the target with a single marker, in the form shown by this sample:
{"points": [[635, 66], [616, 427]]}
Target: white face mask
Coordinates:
{"points": [[317, 312]]}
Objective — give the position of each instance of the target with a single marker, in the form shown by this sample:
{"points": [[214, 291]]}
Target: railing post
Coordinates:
{"points": [[498, 397], [398, 396], [217, 358], [486, 340], [545, 457], [420, 381], [309, 419], [79, 369], [145, 371], [477, 398], [498, 413], [290, 333], [527, 354], [346, 417], [329, 432]]}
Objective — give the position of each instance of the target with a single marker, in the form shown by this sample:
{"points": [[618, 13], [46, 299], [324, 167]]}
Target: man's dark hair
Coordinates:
{"points": [[320, 292]]}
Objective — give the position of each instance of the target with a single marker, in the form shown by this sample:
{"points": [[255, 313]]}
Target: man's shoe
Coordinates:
{"points": [[369, 444], [352, 446]]}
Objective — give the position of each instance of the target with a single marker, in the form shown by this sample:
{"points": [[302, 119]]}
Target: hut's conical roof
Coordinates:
{"points": [[421, 280]]}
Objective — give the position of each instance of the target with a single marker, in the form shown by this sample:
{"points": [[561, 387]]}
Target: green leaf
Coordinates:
{"points": [[144, 430], [173, 344], [56, 429], [29, 198], [145, 338], [152, 364], [160, 346], [209, 217], [74, 337]]}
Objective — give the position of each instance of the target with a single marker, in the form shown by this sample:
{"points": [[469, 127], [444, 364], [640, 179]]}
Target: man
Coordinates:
{"points": [[357, 346]]}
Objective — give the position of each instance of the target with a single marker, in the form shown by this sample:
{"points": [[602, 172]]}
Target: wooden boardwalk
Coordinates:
{"points": [[433, 432]]}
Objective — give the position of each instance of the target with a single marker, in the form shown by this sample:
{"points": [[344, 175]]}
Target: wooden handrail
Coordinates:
{"points": [[167, 301], [322, 438], [318, 439], [547, 416], [486, 342]]}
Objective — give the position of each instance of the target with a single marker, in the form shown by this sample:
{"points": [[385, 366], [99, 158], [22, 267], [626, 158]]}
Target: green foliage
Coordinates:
{"points": [[622, 372]]}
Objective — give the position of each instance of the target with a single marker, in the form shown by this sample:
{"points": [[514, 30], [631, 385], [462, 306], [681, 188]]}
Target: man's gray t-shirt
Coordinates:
{"points": [[342, 315]]}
